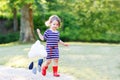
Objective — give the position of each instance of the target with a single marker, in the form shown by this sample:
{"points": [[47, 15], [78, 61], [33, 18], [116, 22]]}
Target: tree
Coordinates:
{"points": [[26, 27], [13, 5], [26, 24], [26, 20]]}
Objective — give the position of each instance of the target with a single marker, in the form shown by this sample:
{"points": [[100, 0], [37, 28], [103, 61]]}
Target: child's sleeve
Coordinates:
{"points": [[45, 36], [59, 37]]}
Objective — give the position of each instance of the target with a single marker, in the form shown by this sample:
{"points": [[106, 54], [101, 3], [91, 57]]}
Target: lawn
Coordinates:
{"points": [[85, 61]]}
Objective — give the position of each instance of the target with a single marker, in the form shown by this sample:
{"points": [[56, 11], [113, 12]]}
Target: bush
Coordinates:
{"points": [[99, 26], [10, 37], [93, 28]]}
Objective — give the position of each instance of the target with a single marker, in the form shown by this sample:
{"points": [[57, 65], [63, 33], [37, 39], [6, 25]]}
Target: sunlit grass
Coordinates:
{"points": [[9, 44], [85, 61]]}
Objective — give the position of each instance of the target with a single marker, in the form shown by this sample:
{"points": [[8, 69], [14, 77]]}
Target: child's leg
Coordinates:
{"points": [[55, 62], [45, 66], [55, 68], [47, 62]]}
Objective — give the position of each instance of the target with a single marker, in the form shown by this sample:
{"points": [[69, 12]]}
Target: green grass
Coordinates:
{"points": [[85, 61]]}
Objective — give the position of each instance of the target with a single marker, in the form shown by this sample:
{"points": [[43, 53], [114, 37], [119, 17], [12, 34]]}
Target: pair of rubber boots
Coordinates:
{"points": [[55, 70]]}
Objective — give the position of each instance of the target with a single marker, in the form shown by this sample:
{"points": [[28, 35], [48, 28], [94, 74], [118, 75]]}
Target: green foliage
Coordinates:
{"points": [[82, 20], [10, 37]]}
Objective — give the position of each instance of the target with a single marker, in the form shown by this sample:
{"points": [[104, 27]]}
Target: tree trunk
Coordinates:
{"points": [[26, 28], [15, 21]]}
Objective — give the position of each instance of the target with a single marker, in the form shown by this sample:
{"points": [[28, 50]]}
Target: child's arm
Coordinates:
{"points": [[40, 35], [61, 42]]}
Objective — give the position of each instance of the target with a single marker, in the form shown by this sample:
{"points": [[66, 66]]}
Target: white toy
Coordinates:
{"points": [[37, 50]]}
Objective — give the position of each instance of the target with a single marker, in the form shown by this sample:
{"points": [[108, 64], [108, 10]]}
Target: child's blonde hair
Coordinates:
{"points": [[51, 19]]}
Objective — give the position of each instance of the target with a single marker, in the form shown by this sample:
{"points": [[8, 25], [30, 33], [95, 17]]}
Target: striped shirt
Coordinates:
{"points": [[52, 39]]}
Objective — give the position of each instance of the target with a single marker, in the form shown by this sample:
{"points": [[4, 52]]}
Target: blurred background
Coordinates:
{"points": [[85, 25], [82, 20]]}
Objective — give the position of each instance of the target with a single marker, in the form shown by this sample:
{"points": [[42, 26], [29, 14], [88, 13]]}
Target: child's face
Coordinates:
{"points": [[54, 24]]}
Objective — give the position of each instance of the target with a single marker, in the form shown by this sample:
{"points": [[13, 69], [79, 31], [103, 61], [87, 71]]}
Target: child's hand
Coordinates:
{"points": [[38, 31], [39, 34], [65, 44]]}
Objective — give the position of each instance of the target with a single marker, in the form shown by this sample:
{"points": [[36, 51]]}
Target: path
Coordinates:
{"points": [[9, 73]]}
